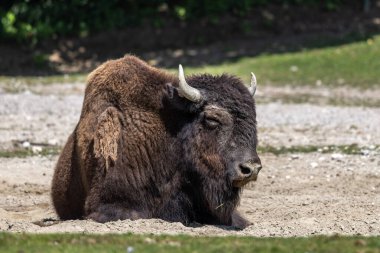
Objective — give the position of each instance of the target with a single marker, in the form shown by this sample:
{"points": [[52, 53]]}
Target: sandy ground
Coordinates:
{"points": [[295, 195]]}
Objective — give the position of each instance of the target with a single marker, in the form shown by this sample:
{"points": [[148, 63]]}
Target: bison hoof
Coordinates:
{"points": [[239, 222]]}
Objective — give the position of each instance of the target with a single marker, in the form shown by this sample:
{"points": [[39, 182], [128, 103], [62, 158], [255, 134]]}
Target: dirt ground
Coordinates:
{"points": [[297, 194]]}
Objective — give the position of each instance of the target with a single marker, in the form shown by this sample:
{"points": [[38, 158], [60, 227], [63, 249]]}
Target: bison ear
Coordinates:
{"points": [[173, 99], [171, 91]]}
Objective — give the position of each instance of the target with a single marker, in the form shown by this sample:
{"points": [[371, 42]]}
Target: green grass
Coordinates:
{"points": [[352, 149], [22, 153], [287, 98], [149, 243], [355, 64]]}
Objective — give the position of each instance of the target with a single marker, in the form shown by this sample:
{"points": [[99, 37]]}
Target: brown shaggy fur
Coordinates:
{"points": [[141, 151]]}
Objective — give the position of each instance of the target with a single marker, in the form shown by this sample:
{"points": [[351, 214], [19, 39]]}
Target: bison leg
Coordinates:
{"points": [[177, 209], [239, 221], [104, 203], [114, 212], [68, 193]]}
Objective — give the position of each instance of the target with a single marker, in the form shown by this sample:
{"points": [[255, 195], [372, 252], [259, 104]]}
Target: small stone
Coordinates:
{"points": [[36, 149], [314, 165], [364, 152], [174, 244], [293, 68], [149, 240], [337, 157], [294, 157], [130, 249], [53, 142], [26, 144]]}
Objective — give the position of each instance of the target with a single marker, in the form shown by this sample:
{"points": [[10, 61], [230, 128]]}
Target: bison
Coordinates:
{"points": [[149, 144]]}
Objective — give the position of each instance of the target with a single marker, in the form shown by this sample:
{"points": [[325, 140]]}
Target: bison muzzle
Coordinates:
{"points": [[149, 144]]}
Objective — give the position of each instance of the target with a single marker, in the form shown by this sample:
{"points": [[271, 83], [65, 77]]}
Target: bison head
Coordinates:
{"points": [[216, 126]]}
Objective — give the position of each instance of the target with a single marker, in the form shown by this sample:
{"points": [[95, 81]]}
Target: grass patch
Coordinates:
{"points": [[141, 243], [319, 100], [22, 153], [352, 149], [354, 64]]}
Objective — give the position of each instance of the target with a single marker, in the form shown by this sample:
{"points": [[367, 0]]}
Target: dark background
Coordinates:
{"points": [[44, 37]]}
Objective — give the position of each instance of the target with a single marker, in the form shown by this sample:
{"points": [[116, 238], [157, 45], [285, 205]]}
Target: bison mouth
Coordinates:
{"points": [[242, 182], [246, 173]]}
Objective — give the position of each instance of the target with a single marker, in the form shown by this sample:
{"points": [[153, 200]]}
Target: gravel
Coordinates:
{"points": [[50, 118], [297, 194]]}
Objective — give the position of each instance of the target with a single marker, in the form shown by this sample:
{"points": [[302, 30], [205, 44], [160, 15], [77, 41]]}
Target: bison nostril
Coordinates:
{"points": [[245, 170]]}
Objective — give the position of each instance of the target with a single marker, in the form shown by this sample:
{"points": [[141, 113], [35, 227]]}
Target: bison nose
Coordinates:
{"points": [[250, 169], [245, 173]]}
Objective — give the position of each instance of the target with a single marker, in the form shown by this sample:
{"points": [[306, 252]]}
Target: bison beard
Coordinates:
{"points": [[144, 149]]}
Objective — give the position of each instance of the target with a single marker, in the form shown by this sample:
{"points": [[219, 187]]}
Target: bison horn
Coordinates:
{"points": [[252, 88], [186, 90]]}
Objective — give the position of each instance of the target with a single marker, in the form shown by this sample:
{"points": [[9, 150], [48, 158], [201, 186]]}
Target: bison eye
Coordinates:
{"points": [[211, 123]]}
